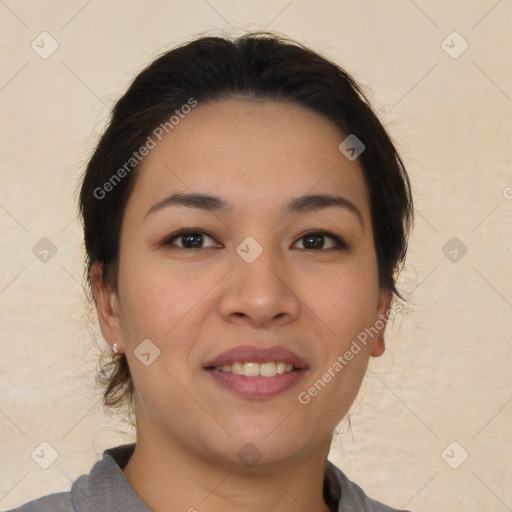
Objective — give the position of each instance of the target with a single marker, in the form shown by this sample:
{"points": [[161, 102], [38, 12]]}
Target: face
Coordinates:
{"points": [[263, 275]]}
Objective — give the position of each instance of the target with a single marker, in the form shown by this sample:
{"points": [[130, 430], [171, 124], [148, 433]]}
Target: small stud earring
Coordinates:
{"points": [[114, 348]]}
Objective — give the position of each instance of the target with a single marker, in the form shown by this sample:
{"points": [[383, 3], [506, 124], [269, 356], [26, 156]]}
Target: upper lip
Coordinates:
{"points": [[251, 353]]}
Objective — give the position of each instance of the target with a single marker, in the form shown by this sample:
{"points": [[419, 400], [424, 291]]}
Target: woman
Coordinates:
{"points": [[245, 215]]}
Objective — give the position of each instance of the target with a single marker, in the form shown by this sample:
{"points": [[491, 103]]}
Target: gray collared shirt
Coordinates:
{"points": [[105, 489]]}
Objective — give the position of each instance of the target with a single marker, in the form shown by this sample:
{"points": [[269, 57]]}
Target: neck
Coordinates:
{"points": [[168, 477]]}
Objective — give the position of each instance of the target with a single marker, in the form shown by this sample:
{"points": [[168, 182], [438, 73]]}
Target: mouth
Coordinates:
{"points": [[257, 373], [254, 369]]}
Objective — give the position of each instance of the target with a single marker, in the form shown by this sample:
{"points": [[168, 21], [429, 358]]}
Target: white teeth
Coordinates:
{"points": [[252, 369], [267, 369], [237, 368]]}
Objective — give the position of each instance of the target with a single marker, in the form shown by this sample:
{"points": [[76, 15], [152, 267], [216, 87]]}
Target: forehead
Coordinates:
{"points": [[239, 148]]}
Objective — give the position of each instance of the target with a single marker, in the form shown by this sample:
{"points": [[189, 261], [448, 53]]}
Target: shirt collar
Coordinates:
{"points": [[106, 487]]}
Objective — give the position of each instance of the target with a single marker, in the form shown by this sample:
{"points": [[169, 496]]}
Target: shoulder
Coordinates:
{"points": [[354, 499], [102, 489], [58, 502]]}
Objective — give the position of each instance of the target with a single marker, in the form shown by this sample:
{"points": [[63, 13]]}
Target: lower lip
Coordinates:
{"points": [[257, 387]]}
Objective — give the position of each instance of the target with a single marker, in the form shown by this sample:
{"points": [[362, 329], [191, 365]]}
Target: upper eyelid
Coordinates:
{"points": [[187, 231], [340, 241], [313, 232]]}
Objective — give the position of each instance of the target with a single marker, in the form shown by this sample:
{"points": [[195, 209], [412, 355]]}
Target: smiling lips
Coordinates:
{"points": [[254, 372]]}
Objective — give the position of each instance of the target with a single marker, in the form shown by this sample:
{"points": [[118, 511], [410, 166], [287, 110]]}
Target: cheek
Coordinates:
{"points": [[157, 305], [169, 306], [345, 300], [156, 297], [332, 388]]}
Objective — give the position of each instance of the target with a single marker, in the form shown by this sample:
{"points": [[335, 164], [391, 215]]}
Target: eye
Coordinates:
{"points": [[196, 239], [315, 240], [190, 239]]}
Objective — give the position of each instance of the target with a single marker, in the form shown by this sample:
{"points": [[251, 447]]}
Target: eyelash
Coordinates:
{"points": [[340, 244]]}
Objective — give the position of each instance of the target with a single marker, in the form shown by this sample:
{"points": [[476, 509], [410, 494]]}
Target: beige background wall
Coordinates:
{"points": [[446, 375]]}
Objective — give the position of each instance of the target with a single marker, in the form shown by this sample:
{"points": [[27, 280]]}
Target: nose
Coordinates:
{"points": [[259, 293]]}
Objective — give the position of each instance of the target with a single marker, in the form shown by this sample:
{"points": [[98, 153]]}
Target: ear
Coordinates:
{"points": [[381, 320], [107, 307]]}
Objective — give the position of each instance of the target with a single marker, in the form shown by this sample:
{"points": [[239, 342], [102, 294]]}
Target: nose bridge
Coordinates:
{"points": [[258, 272], [257, 288]]}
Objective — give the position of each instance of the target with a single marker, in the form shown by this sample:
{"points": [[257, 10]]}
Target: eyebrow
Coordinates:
{"points": [[307, 203]]}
